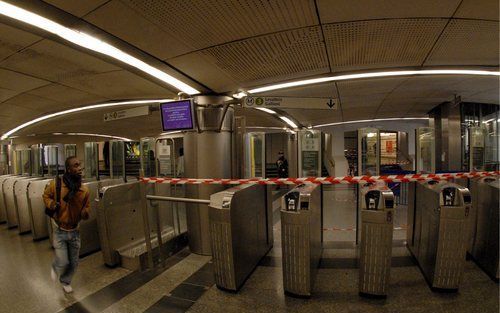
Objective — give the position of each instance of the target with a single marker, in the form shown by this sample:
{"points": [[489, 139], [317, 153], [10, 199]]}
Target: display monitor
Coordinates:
{"points": [[177, 115]]}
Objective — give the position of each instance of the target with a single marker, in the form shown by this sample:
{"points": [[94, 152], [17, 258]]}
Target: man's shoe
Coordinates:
{"points": [[67, 288], [53, 274]]}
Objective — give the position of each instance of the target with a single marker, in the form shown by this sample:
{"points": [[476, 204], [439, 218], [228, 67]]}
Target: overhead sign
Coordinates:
{"points": [[291, 103], [118, 115]]}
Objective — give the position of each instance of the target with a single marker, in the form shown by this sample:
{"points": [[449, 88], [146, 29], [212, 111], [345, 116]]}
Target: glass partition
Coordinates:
{"points": [[255, 156], [69, 150], [37, 160], [425, 150], [18, 163], [52, 159], [91, 160], [117, 158], [148, 157], [309, 153], [4, 159], [476, 148], [368, 151]]}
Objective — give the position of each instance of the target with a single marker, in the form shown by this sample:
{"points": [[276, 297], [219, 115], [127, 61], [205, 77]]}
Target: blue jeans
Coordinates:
{"points": [[67, 249]]}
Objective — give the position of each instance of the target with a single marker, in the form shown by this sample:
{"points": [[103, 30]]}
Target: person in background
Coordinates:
{"points": [[282, 165], [74, 206], [180, 163]]}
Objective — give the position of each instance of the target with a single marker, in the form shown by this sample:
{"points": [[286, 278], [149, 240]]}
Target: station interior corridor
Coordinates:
{"points": [[185, 283]]}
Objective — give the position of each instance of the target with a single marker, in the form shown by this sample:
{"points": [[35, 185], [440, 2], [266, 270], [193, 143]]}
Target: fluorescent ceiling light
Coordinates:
{"points": [[372, 75], [289, 121], [240, 95], [266, 110], [92, 43], [89, 107], [373, 120], [99, 135], [370, 135]]}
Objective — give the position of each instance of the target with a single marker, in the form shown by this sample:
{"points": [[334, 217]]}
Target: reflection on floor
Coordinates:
{"points": [[185, 283]]}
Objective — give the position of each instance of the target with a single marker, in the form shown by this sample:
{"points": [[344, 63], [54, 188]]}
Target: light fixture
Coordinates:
{"points": [[372, 120], [372, 75], [74, 110], [98, 135], [289, 122], [266, 110], [240, 95], [370, 135], [91, 43]]}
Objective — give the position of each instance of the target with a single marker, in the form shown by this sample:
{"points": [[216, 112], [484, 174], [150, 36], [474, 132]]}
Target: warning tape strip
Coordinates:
{"points": [[319, 180]]}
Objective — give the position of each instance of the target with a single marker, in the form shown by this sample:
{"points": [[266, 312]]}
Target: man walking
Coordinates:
{"points": [[282, 165], [74, 206]]}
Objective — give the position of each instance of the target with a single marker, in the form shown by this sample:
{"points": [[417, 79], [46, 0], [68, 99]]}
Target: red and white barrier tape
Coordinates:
{"points": [[319, 180]]}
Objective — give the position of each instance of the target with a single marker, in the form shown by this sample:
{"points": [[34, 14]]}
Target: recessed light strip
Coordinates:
{"points": [[289, 122], [372, 75], [98, 135], [372, 120], [89, 107], [92, 43]]}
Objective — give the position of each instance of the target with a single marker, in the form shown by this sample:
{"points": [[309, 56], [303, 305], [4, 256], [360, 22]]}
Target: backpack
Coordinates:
{"points": [[51, 213]]}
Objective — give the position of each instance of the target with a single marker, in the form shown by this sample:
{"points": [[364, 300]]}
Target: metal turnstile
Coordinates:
{"points": [[3, 209], [21, 204], [301, 238], [36, 209], [10, 199], [437, 236], [240, 232], [484, 250], [377, 215]]}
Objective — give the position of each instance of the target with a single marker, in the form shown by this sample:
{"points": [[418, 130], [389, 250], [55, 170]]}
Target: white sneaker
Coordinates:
{"points": [[53, 274], [67, 288]]}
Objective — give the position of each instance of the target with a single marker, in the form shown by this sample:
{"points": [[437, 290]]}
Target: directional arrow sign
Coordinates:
{"points": [[290, 103]]}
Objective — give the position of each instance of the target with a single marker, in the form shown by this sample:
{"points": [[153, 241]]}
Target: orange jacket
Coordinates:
{"points": [[70, 213]]}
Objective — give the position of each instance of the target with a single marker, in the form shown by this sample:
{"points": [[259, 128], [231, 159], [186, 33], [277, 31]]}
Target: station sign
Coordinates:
{"points": [[290, 103], [118, 115]]}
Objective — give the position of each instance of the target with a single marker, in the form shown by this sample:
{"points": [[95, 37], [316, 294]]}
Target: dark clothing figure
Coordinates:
{"points": [[282, 165]]}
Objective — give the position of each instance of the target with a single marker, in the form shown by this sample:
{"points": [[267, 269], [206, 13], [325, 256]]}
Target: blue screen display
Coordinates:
{"points": [[177, 115]]}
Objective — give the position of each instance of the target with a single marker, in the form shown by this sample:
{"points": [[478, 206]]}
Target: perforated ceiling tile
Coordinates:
{"points": [[19, 82], [12, 40], [204, 23], [381, 43], [369, 86], [478, 9], [64, 94], [333, 11], [77, 8], [467, 42], [282, 55], [53, 61], [322, 90]]}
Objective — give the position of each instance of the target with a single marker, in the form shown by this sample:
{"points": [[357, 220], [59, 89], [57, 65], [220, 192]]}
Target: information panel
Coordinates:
{"points": [[177, 115]]}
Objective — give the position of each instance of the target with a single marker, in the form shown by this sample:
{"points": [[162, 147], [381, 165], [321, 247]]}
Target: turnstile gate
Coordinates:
{"points": [[301, 238], [240, 232], [3, 209], [36, 209], [484, 250], [377, 215], [21, 204], [436, 235]]}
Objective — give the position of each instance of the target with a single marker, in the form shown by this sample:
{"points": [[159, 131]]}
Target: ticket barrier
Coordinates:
{"points": [[240, 232], [436, 236], [10, 199], [484, 250], [21, 204], [301, 238], [36, 209], [377, 215], [3, 210]]}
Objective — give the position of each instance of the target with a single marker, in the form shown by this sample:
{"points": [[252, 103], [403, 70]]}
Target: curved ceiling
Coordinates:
{"points": [[226, 45]]}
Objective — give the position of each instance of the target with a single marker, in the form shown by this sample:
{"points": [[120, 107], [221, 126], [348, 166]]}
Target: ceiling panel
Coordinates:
{"points": [[56, 62], [280, 56], [380, 43], [19, 82], [426, 86], [12, 40], [78, 8], [348, 10], [258, 118], [123, 22], [478, 9], [202, 69], [327, 90], [67, 95], [368, 87], [7, 94], [118, 85], [315, 117], [205, 23], [358, 113], [467, 42], [32, 102]]}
